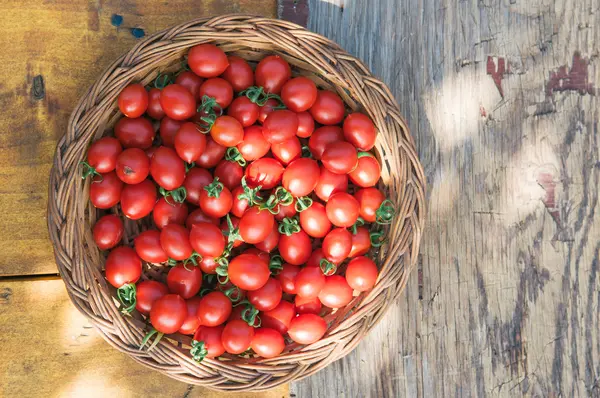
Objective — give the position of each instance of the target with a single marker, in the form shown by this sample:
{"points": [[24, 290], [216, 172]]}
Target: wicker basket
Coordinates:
{"points": [[70, 214]]}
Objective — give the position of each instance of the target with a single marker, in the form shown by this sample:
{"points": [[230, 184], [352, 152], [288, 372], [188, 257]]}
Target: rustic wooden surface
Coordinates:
{"points": [[502, 99]]}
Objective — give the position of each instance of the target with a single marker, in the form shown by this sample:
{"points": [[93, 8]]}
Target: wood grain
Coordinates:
{"points": [[501, 97]]}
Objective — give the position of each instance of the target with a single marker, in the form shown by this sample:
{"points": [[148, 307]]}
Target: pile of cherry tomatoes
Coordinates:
{"points": [[258, 201]]}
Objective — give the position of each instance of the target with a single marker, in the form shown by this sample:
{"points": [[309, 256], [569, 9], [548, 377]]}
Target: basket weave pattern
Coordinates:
{"points": [[71, 216]]}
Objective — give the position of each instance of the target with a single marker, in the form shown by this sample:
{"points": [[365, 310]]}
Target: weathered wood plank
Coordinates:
{"points": [[502, 100]]}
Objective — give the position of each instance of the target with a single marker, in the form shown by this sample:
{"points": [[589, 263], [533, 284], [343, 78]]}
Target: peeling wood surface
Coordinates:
{"points": [[502, 99]]}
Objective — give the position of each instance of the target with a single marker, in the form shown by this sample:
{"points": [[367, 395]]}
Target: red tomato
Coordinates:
{"points": [[301, 176], [322, 137], [227, 131], [183, 281], [147, 246], [207, 239], [267, 343], [103, 154], [287, 151], [328, 109], [211, 337], [229, 173], [219, 89], [108, 232], [248, 272], [361, 242], [175, 241], [195, 181], [315, 258], [369, 200], [308, 305], [337, 245], [191, 323], [359, 130], [314, 221], [295, 249], [133, 100], [154, 110], [216, 199], [336, 293], [266, 172], [147, 292], [122, 266], [239, 206], [137, 201], [168, 130], [279, 318], [340, 157], [306, 125], [272, 72], [286, 211], [264, 257], [191, 81], [133, 166], [280, 125], [207, 60], [150, 152], [208, 265], [190, 143], [299, 94], [237, 336], [177, 102], [105, 190], [239, 74], [256, 225], [197, 216], [254, 145], [169, 213], [287, 276], [367, 172], [167, 169], [212, 154], [330, 183], [270, 242], [244, 111], [267, 297], [134, 133], [309, 282], [267, 108], [168, 313], [307, 328], [342, 209], [361, 273]]}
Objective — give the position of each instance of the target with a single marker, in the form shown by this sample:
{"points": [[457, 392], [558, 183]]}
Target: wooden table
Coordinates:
{"points": [[501, 97]]}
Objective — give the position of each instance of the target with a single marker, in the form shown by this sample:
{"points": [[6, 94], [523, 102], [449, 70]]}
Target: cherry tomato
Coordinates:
{"points": [[287, 276], [340, 157], [287, 151], [361, 242], [183, 281], [195, 181], [279, 318], [168, 130], [168, 313], [369, 200], [108, 232], [122, 266], [254, 145], [342, 209], [280, 125], [175, 241], [105, 190], [208, 265], [361, 273], [227, 131], [286, 211], [322, 137], [248, 272], [167, 169], [237, 336], [301, 176], [309, 282], [308, 305], [133, 100], [337, 245], [267, 108], [267, 297], [239, 74], [191, 323], [197, 216], [272, 72], [211, 337], [207, 239], [256, 225], [306, 125], [177, 102], [299, 94], [315, 258], [147, 246], [134, 133], [154, 110], [207, 60], [215, 199], [328, 109], [103, 154], [229, 173], [133, 166], [359, 130], [330, 183], [219, 89], [314, 221], [212, 154], [190, 143], [266, 172], [336, 293], [270, 242], [146, 293], [165, 213], [137, 201], [239, 206], [367, 172], [267, 343], [296, 248], [307, 328], [191, 81], [244, 111]]}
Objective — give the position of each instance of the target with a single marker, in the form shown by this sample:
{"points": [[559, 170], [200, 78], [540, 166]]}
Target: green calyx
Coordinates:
{"points": [[359, 223], [386, 213], [194, 259], [198, 350], [127, 297], [327, 267], [234, 155], [88, 170], [163, 80], [149, 336], [281, 197], [276, 264], [289, 226], [377, 238], [214, 189], [249, 314], [250, 194], [303, 203], [234, 294], [177, 195], [233, 234], [257, 95]]}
